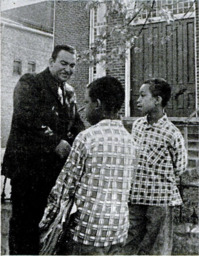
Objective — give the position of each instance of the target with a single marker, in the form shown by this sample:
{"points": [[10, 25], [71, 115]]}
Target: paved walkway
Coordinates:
{"points": [[186, 236]]}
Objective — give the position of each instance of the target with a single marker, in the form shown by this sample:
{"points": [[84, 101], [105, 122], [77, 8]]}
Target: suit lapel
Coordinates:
{"points": [[52, 86]]}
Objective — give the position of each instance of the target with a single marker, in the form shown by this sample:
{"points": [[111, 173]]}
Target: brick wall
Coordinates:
{"points": [[72, 22], [72, 27], [197, 49], [25, 46]]}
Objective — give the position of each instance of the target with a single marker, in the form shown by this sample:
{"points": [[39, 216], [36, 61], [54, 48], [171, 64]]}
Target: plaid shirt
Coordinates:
{"points": [[161, 158], [104, 154]]}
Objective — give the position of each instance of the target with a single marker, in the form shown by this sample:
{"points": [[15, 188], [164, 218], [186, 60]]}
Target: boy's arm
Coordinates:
{"points": [[179, 155], [135, 127], [133, 130], [66, 182]]}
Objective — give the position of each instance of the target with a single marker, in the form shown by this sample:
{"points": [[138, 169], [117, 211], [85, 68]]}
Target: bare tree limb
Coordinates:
{"points": [[153, 3]]}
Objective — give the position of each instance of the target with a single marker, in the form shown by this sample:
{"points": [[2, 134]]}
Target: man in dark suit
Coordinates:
{"points": [[44, 124]]}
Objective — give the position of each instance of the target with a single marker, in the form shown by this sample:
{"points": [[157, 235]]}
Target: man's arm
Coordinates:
{"points": [[63, 149], [76, 127], [29, 114]]}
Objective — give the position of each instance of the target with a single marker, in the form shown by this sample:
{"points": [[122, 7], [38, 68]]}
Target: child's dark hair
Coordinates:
{"points": [[109, 91], [159, 87]]}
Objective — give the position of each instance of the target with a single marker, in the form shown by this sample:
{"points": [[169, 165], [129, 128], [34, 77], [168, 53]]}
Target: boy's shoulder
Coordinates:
{"points": [[102, 127], [171, 127], [165, 125], [140, 121], [88, 131], [170, 131]]}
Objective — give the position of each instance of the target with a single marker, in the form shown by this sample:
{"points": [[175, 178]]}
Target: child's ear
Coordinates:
{"points": [[159, 100], [99, 104]]}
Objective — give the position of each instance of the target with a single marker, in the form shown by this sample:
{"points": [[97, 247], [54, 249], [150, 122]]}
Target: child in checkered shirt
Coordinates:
{"points": [[98, 172], [161, 159]]}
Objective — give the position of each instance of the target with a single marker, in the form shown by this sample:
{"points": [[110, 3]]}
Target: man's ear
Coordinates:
{"points": [[51, 61]]}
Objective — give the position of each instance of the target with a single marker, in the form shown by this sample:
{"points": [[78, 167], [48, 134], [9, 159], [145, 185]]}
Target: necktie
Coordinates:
{"points": [[63, 94]]}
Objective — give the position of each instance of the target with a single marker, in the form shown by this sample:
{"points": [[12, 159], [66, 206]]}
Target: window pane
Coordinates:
{"points": [[31, 67], [17, 67], [174, 6]]}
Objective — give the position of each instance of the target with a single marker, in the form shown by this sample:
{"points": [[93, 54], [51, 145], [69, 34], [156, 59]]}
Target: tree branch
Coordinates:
{"points": [[153, 3]]}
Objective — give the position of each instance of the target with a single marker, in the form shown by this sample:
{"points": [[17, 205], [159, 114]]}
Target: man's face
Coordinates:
{"points": [[146, 102], [63, 66], [90, 109]]}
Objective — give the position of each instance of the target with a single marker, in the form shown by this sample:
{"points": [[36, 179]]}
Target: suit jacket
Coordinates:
{"points": [[39, 121]]}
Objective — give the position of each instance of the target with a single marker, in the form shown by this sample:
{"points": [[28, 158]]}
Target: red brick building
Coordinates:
{"points": [[176, 60], [28, 35], [72, 26]]}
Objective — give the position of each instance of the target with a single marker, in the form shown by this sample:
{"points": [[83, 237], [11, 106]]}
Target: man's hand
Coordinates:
{"points": [[63, 149]]}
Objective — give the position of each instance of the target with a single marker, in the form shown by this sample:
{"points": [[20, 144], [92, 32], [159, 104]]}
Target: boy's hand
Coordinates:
{"points": [[63, 149]]}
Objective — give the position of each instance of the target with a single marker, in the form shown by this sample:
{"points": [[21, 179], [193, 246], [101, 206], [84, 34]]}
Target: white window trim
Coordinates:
{"points": [[159, 19], [127, 81], [91, 40], [176, 16], [93, 26], [196, 68]]}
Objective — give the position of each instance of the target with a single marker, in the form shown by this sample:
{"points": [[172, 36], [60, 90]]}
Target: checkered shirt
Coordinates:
{"points": [[162, 157], [105, 154]]}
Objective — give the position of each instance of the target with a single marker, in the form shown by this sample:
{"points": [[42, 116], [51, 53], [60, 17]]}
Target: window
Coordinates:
{"points": [[17, 67], [31, 67], [175, 7], [163, 8], [98, 25]]}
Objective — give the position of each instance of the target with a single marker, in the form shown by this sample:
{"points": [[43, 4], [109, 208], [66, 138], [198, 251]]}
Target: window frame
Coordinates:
{"points": [[17, 67], [31, 64]]}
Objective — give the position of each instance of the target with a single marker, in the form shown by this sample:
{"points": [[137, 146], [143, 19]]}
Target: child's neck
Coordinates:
{"points": [[155, 116], [110, 116]]}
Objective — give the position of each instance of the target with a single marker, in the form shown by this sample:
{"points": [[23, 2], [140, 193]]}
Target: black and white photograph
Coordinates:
{"points": [[99, 127]]}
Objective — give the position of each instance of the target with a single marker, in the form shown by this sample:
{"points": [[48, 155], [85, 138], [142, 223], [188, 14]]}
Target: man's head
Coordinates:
{"points": [[154, 93], [62, 62], [104, 97]]}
